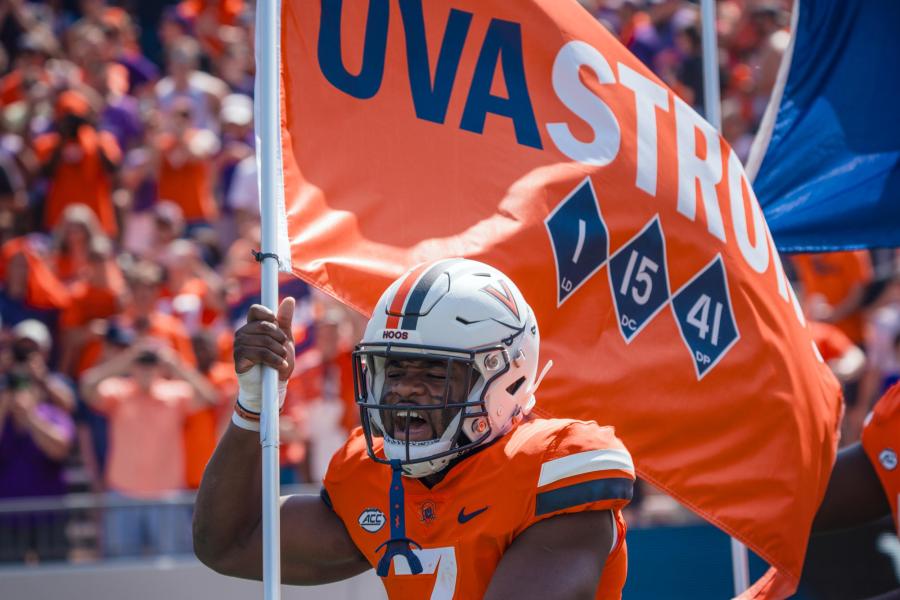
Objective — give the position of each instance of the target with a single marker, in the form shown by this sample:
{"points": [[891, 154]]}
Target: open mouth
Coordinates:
{"points": [[413, 425]]}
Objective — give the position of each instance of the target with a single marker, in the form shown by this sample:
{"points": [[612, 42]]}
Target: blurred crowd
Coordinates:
{"points": [[666, 36], [128, 212], [129, 209]]}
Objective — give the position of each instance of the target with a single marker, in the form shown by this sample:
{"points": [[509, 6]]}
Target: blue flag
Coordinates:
{"points": [[827, 157]]}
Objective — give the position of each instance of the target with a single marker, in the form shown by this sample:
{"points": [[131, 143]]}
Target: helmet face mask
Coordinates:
{"points": [[447, 364], [422, 397], [448, 415]]}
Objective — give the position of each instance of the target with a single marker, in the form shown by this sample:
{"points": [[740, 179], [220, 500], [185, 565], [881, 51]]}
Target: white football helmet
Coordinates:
{"points": [[449, 312]]}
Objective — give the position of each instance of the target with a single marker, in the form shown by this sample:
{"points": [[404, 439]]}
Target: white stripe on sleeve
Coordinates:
{"points": [[585, 462]]}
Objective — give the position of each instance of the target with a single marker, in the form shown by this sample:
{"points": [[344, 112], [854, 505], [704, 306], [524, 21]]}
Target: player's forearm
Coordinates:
{"points": [[228, 509], [854, 495]]}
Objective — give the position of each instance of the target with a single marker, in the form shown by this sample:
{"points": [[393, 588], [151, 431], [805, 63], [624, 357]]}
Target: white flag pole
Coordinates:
{"points": [[713, 107], [711, 101], [267, 138]]}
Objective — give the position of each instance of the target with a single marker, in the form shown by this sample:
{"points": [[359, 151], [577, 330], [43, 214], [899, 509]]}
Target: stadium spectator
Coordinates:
{"points": [[769, 20], [832, 289], [79, 162], [31, 346], [235, 65], [638, 32], [243, 196], [204, 92], [98, 294], [237, 147], [146, 392], [13, 198], [76, 233], [690, 70], [211, 21], [91, 426], [36, 435], [323, 383], [203, 428], [882, 344], [120, 114], [194, 292], [848, 363], [185, 174], [121, 40], [846, 360], [142, 313], [30, 288], [834, 285], [28, 60]]}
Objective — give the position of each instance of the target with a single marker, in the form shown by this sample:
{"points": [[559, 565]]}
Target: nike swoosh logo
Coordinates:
{"points": [[465, 518]]}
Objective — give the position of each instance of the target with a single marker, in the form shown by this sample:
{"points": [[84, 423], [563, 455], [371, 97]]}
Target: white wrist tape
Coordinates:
{"points": [[248, 407]]}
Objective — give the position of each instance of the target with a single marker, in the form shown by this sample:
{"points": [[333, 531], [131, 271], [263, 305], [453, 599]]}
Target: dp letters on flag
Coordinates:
{"points": [[522, 134]]}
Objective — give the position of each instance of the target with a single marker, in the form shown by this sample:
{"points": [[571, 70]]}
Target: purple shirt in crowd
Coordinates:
{"points": [[24, 469]]}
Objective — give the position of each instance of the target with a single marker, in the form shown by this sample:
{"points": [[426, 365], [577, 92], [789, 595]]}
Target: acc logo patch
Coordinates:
{"points": [[888, 459], [372, 520], [427, 512]]}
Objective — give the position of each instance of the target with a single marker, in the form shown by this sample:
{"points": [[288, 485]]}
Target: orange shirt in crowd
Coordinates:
{"points": [[202, 428], [224, 12], [12, 86], [834, 275], [96, 291], [67, 266], [146, 453], [88, 303], [199, 288], [80, 176], [171, 330], [162, 326], [189, 184], [44, 290]]}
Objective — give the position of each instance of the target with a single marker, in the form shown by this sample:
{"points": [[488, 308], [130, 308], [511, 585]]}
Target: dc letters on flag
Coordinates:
{"points": [[522, 134]]}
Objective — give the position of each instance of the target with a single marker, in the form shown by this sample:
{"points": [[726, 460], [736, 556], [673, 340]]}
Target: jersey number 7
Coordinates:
{"points": [[440, 560]]}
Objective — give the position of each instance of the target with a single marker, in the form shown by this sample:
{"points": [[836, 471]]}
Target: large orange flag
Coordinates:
{"points": [[522, 134]]}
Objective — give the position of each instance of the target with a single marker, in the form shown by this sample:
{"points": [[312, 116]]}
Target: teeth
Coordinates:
{"points": [[411, 414]]}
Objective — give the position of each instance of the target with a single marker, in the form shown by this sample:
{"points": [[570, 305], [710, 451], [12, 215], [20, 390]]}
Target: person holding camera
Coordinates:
{"points": [[146, 392], [78, 161], [36, 435]]}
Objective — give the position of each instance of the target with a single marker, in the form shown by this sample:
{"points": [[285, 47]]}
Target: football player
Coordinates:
{"points": [[452, 487]]}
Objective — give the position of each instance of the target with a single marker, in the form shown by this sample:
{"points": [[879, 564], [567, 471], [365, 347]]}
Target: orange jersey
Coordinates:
{"points": [[881, 441], [464, 524]]}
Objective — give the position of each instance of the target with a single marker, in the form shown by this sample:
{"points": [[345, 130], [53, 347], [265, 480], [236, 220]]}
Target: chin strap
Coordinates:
{"points": [[398, 544]]}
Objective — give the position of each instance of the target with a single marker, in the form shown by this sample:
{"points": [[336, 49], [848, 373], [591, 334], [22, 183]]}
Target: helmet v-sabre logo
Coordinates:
{"points": [[505, 297]]}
